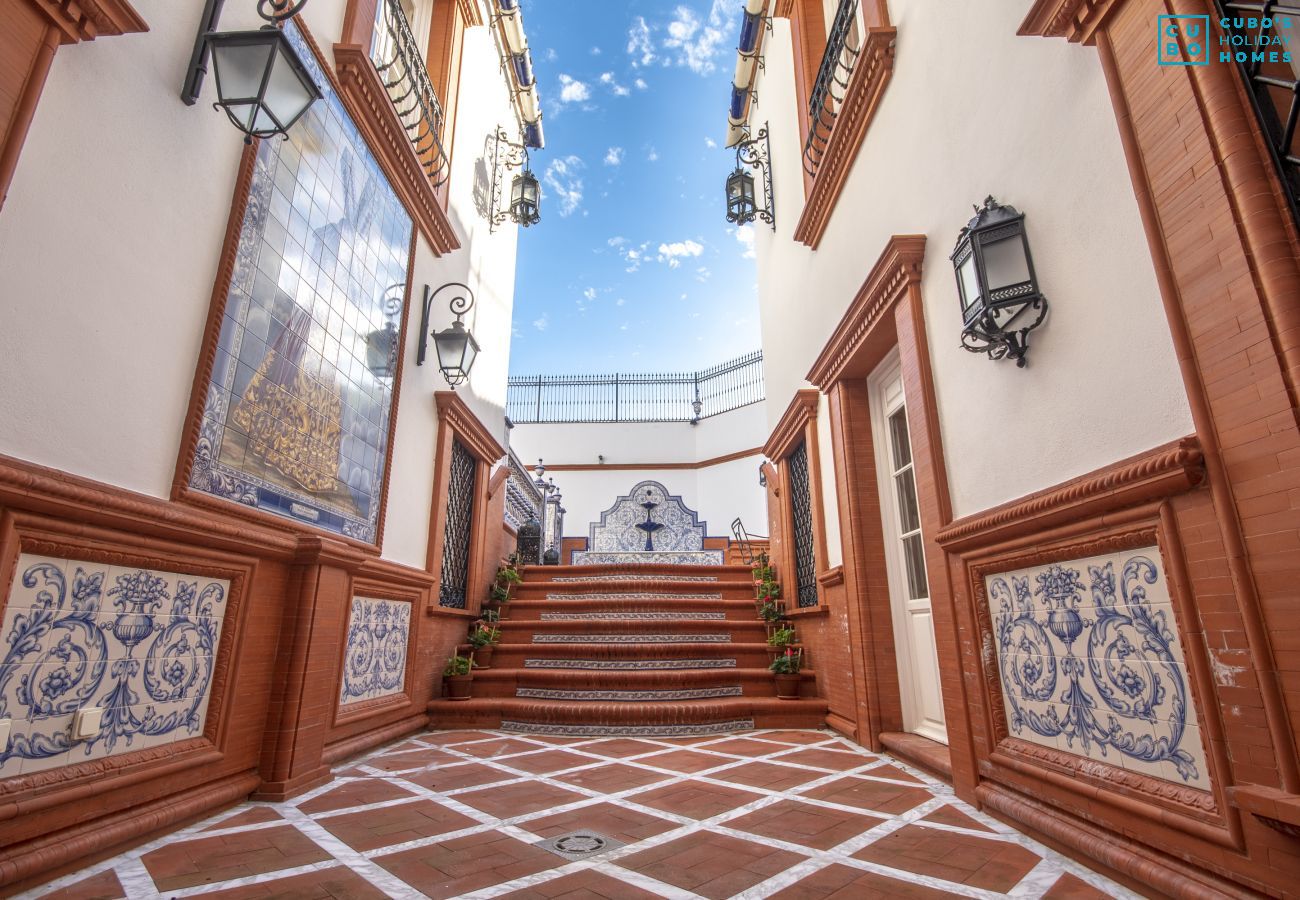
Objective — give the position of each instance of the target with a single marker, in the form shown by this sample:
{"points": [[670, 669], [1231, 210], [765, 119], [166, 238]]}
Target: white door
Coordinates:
{"points": [[909, 591]]}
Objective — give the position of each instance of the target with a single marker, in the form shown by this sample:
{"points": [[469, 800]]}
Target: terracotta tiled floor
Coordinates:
{"points": [[796, 815]]}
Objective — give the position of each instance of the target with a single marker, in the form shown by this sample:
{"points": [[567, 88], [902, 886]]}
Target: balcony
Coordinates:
{"points": [[397, 58], [843, 46]]}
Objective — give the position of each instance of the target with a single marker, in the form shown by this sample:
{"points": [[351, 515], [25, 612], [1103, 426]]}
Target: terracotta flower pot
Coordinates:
{"points": [[458, 686], [483, 656], [787, 687]]}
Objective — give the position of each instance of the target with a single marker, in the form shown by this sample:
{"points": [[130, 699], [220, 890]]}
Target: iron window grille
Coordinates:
{"points": [[396, 55], [801, 517], [1273, 86], [659, 397], [457, 531], [842, 48]]}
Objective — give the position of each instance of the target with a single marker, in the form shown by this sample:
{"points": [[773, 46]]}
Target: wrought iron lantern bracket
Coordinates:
{"points": [[755, 153], [506, 155], [456, 347]]}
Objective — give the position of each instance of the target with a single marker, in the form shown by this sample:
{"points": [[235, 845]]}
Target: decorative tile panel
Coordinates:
{"points": [[647, 518], [296, 418], [641, 557], [139, 643], [379, 634], [1090, 663]]}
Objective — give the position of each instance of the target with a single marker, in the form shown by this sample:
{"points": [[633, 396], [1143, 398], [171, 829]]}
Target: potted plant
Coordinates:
{"points": [[506, 578], [771, 611], [779, 640], [762, 568], [786, 669], [457, 676], [484, 639]]}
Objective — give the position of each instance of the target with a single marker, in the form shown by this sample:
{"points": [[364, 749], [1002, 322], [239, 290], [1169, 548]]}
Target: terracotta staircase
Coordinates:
{"points": [[641, 650]]}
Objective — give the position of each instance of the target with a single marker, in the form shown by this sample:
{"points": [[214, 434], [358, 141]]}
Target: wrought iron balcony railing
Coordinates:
{"points": [[396, 55], [1274, 85], [661, 397], [842, 49]]}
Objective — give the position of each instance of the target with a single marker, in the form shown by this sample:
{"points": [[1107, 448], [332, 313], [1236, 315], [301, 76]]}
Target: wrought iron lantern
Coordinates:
{"points": [[742, 195], [262, 83], [525, 192], [1000, 299], [455, 345]]}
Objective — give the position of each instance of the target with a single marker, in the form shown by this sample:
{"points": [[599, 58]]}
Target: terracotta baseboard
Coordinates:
{"points": [[922, 752], [368, 740]]}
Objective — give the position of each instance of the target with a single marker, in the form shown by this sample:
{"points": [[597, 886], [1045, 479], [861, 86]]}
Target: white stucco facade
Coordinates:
{"points": [[1102, 381], [99, 365], [718, 492]]}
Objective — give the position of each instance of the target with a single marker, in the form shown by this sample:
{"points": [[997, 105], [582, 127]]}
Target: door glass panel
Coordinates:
{"points": [[917, 589], [898, 437], [908, 518]]}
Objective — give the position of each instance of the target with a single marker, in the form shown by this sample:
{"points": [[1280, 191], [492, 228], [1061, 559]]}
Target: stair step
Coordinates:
{"points": [[738, 609], [633, 638], [703, 729], [644, 616], [627, 696], [624, 718], [713, 662], [632, 576]]}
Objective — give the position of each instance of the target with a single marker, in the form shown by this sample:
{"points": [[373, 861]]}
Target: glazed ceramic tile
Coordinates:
{"points": [[647, 518], [378, 637], [1090, 661]]}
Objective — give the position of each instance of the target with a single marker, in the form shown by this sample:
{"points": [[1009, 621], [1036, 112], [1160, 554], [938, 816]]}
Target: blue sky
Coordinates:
{"points": [[633, 267]]}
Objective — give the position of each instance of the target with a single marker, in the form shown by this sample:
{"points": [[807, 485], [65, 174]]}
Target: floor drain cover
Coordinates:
{"points": [[579, 844]]}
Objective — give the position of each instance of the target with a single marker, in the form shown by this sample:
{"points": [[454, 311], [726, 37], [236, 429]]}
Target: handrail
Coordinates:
{"points": [[396, 55], [622, 397], [523, 499], [834, 72]]}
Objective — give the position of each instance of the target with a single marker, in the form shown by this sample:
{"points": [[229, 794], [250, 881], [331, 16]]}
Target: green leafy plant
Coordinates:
{"points": [[762, 568], [509, 573], [490, 616], [788, 664], [457, 665], [501, 593], [770, 612], [769, 590], [781, 638], [484, 636]]}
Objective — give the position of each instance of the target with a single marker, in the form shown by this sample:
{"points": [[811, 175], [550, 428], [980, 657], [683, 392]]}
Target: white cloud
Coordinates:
{"points": [[562, 178], [551, 55], [702, 274], [540, 324], [616, 241], [614, 156], [595, 51], [710, 143], [608, 79], [623, 327], [674, 253], [745, 235], [697, 43], [653, 155], [640, 84], [619, 302], [639, 45], [572, 90], [590, 293]]}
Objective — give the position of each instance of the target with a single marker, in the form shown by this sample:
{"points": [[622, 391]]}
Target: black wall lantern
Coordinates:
{"points": [[742, 197], [262, 84], [1000, 299], [525, 192], [455, 345]]}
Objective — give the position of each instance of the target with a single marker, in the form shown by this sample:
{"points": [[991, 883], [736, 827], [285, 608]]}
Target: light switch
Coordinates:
{"points": [[86, 722], [5, 726]]}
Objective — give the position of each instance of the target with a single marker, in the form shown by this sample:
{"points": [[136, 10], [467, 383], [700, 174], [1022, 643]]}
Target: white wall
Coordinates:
{"points": [[109, 243], [719, 493], [1030, 122]]}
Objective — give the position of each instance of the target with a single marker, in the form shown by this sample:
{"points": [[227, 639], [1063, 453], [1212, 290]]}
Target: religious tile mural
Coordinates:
{"points": [[1091, 663], [374, 666], [647, 518], [296, 419], [139, 643]]}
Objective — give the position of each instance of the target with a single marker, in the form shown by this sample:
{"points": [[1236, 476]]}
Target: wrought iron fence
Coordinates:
{"points": [[660, 397], [396, 55], [1273, 85], [523, 499], [842, 49]]}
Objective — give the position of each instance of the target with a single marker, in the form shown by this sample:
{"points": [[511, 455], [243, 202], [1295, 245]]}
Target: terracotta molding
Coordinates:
{"points": [[1075, 20], [469, 11], [85, 20], [472, 433], [1151, 869], [702, 464], [867, 85], [360, 743], [362, 92], [1203, 415], [499, 477], [36, 858], [793, 425], [319, 550], [833, 577], [1170, 469], [898, 267]]}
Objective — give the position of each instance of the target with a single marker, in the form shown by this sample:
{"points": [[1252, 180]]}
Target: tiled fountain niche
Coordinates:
{"points": [[139, 643], [1090, 663]]}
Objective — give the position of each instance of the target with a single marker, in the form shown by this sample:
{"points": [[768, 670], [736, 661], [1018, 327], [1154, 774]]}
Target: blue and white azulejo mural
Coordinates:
{"points": [[1090, 663], [647, 518], [374, 666], [137, 642], [296, 418]]}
